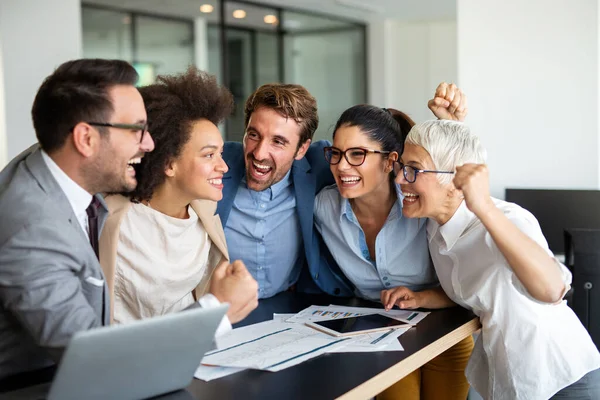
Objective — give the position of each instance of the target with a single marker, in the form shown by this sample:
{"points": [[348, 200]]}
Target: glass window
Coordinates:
{"points": [[337, 47], [163, 46], [106, 34]]}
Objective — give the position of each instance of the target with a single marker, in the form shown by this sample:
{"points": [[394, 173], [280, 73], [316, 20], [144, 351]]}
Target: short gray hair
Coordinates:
{"points": [[449, 143]]}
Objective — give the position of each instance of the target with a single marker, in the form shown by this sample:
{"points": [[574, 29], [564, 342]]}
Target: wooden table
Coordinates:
{"points": [[330, 376], [340, 375]]}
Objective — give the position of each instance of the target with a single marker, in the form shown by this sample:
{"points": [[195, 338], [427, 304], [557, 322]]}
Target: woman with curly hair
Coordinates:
{"points": [[162, 247]]}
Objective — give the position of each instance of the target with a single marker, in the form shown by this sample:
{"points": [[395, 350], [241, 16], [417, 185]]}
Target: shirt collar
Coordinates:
{"points": [[282, 184], [454, 228], [273, 190], [395, 212], [78, 197]]}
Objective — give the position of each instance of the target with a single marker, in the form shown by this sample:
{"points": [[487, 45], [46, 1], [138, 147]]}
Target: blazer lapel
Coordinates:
{"points": [[205, 210], [42, 174], [231, 182], [304, 187]]}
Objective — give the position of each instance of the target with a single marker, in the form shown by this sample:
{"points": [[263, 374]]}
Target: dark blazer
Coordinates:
{"points": [[309, 175], [51, 283]]}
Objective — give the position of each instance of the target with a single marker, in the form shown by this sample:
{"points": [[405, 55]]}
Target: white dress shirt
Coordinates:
{"points": [[78, 197], [160, 261], [527, 349]]}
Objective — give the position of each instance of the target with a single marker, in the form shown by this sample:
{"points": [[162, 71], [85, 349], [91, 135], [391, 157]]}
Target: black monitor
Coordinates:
{"points": [[557, 210]]}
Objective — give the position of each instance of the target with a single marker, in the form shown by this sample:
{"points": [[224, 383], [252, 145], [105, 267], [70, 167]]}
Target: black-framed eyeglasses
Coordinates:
{"points": [[410, 172], [139, 129], [355, 155]]}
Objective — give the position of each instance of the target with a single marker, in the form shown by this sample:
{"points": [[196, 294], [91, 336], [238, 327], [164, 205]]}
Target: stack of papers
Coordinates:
{"points": [[286, 341]]}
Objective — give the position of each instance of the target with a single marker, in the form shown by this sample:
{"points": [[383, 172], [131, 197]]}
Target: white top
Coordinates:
{"points": [[160, 261], [78, 197], [527, 349]]}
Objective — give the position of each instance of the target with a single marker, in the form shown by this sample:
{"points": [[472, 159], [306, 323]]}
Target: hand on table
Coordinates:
{"points": [[400, 296]]}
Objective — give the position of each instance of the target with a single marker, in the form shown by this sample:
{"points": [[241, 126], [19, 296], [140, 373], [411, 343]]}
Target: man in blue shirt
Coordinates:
{"points": [[270, 188], [269, 194]]}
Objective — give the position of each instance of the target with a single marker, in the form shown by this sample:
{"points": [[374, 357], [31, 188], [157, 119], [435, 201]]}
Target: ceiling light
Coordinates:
{"points": [[239, 14], [270, 19], [206, 8]]}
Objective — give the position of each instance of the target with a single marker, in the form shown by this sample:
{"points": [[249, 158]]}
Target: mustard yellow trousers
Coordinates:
{"points": [[442, 378]]}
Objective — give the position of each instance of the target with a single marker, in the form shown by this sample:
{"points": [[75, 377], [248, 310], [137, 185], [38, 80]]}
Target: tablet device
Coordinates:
{"points": [[358, 325]]}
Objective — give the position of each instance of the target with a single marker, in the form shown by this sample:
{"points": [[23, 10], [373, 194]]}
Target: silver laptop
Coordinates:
{"points": [[137, 360]]}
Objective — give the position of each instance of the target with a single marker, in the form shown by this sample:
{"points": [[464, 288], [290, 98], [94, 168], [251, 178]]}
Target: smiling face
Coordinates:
{"points": [[111, 168], [372, 177], [426, 197], [198, 171], [270, 147]]}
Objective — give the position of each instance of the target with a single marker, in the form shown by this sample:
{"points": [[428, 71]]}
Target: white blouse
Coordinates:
{"points": [[160, 261], [527, 349]]}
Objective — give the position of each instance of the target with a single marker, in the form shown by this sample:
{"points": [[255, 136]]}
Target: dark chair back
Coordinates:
{"points": [[582, 255]]}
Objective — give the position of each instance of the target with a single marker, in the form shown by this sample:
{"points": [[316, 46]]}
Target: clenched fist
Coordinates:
{"points": [[233, 284], [449, 102], [473, 181]]}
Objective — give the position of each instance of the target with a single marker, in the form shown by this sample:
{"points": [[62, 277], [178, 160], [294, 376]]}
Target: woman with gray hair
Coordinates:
{"points": [[491, 257]]}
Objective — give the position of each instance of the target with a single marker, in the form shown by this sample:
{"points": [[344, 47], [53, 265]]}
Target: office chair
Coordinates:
{"points": [[582, 256]]}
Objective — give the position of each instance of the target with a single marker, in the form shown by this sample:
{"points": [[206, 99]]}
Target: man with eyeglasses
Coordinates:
{"points": [[270, 188], [90, 123]]}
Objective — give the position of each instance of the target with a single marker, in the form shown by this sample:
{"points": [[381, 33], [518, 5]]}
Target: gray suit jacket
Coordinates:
{"points": [[51, 283]]}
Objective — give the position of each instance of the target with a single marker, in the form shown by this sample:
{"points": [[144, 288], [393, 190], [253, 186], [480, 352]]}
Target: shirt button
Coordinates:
{"points": [[263, 205], [385, 278], [387, 284], [259, 268]]}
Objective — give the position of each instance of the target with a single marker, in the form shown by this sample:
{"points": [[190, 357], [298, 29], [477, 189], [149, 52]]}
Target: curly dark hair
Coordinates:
{"points": [[173, 104]]}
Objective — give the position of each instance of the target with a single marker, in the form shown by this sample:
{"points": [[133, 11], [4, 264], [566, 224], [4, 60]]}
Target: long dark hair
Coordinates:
{"points": [[387, 126]]}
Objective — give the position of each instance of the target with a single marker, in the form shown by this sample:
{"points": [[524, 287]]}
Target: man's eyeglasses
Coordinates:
{"points": [[139, 129], [355, 155], [410, 173]]}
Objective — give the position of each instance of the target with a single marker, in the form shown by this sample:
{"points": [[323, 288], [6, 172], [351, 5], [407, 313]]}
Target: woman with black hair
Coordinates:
{"points": [[360, 219]]}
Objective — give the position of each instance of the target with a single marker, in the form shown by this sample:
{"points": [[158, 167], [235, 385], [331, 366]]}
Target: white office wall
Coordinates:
{"points": [[380, 35], [37, 36], [422, 54], [530, 69]]}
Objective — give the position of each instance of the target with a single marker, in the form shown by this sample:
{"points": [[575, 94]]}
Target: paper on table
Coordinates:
{"points": [[394, 346], [208, 373], [321, 313], [270, 346], [281, 317], [325, 313], [413, 317]]}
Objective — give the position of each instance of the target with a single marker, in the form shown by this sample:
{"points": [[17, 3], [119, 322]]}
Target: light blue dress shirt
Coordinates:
{"points": [[263, 231], [402, 255]]}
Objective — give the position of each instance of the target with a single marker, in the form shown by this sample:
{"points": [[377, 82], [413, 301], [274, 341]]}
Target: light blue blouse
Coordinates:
{"points": [[402, 256]]}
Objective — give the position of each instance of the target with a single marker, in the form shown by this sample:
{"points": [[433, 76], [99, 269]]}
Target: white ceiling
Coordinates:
{"points": [[360, 10]]}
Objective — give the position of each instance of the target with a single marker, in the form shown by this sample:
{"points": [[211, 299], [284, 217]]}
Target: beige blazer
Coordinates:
{"points": [[119, 205]]}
